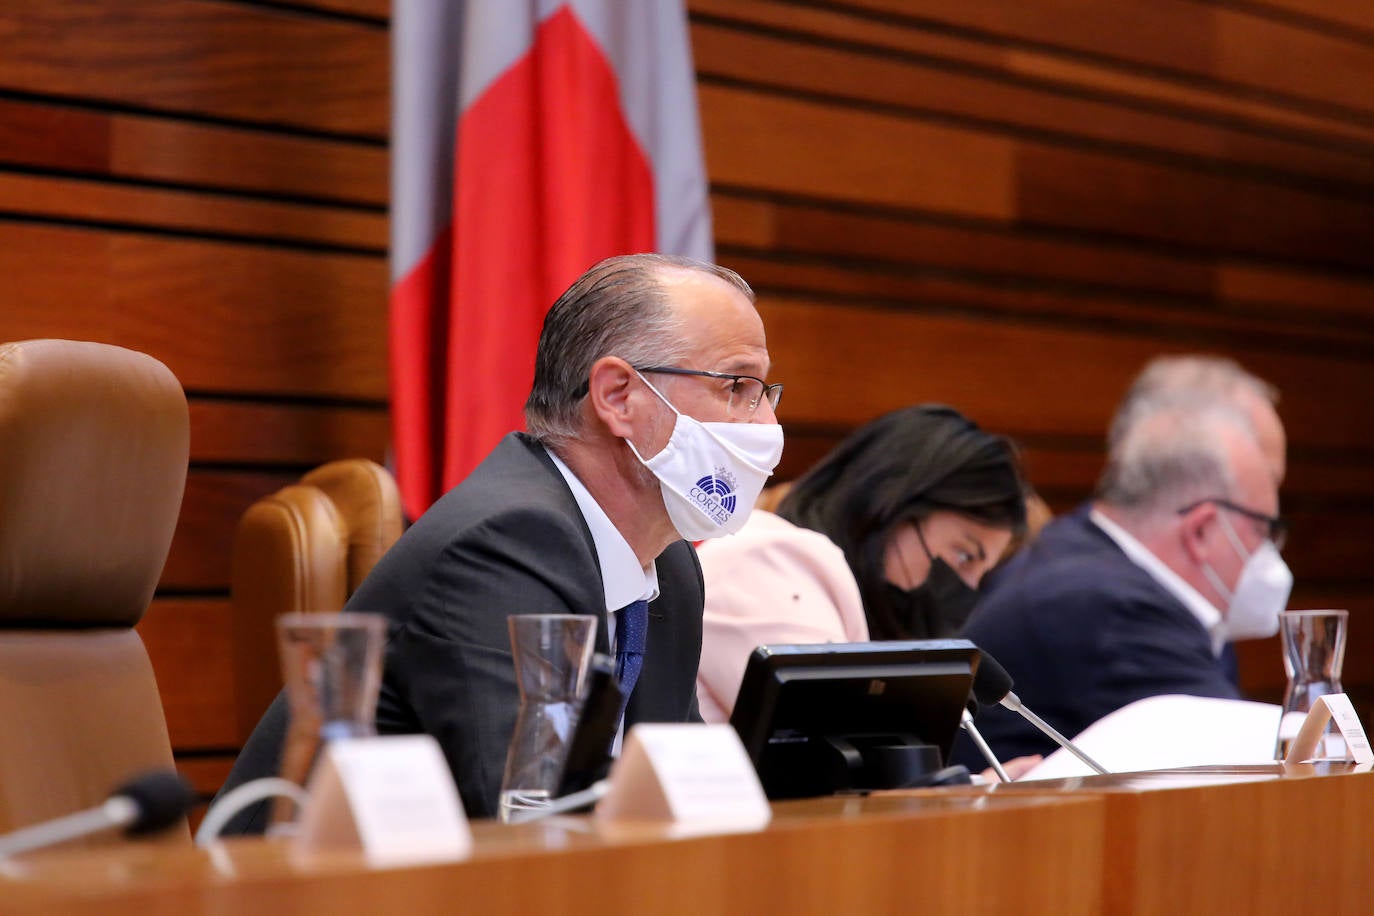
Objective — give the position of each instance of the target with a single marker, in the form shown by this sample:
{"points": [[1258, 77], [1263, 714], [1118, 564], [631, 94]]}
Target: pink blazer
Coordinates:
{"points": [[770, 583]]}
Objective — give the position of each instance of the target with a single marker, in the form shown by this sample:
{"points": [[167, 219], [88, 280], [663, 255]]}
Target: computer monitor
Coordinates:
{"points": [[835, 717]]}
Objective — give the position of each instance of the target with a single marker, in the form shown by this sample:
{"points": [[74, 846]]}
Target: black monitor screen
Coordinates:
{"points": [[833, 717]]}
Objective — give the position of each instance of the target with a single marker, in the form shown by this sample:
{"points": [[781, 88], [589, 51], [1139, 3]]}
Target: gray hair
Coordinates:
{"points": [[1183, 382], [618, 308], [1173, 457]]}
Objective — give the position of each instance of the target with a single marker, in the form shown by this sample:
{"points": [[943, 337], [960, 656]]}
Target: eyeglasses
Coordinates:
{"points": [[745, 393], [1276, 526]]}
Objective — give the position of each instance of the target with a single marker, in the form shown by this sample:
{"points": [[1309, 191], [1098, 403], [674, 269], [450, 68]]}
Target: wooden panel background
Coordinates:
{"points": [[1008, 206]]}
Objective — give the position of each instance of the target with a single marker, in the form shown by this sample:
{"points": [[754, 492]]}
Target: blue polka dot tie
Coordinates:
{"points": [[631, 626]]}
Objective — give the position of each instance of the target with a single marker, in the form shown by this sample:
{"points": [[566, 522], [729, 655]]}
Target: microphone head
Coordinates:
{"points": [[992, 683], [162, 798]]}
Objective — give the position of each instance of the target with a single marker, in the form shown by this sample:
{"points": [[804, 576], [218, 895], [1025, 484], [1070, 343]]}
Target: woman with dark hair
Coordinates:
{"points": [[887, 537]]}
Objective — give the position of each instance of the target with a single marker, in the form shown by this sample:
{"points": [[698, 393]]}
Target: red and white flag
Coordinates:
{"points": [[530, 139]]}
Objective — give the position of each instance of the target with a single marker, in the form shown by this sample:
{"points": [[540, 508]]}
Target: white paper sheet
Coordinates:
{"points": [[1171, 731]]}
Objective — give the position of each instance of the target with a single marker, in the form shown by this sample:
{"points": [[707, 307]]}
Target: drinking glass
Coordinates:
{"points": [[332, 665], [552, 653], [1313, 652]]}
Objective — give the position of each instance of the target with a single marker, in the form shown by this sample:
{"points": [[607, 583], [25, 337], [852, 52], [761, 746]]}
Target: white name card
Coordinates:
{"points": [[391, 796], [693, 775], [1335, 706]]}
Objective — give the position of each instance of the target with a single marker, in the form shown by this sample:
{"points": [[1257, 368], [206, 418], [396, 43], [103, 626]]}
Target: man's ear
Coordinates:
{"points": [[609, 386], [1194, 530]]}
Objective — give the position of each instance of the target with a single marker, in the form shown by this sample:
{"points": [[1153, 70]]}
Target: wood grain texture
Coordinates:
{"points": [[1229, 46], [224, 317], [1007, 206], [827, 856], [295, 435], [202, 544], [774, 143], [938, 89], [1338, 13], [92, 141], [81, 200], [188, 644], [913, 34], [910, 355], [248, 63], [1211, 212]]}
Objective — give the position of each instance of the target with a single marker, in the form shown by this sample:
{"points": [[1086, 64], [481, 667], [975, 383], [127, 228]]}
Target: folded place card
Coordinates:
{"points": [[691, 775], [391, 796], [1335, 706]]}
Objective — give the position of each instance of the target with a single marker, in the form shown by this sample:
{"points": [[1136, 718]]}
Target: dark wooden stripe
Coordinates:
{"points": [[65, 138], [96, 202], [996, 102], [1191, 322], [202, 545], [842, 364], [188, 643], [1074, 189], [1352, 20], [250, 65], [1225, 47], [285, 434], [1060, 70]]}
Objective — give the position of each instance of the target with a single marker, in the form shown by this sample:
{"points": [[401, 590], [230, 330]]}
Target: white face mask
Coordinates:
{"points": [[1252, 610], [711, 474]]}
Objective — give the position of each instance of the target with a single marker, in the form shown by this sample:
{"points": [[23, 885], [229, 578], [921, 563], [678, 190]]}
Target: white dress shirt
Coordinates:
{"points": [[622, 578], [1205, 611]]}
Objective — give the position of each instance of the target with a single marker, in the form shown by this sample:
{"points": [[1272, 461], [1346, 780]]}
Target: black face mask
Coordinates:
{"points": [[935, 609]]}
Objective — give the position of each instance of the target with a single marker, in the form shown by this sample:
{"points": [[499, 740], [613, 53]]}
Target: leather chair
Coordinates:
{"points": [[304, 548], [94, 441]]}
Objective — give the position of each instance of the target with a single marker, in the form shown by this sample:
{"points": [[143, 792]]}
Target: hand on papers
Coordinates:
{"points": [[1016, 768]]}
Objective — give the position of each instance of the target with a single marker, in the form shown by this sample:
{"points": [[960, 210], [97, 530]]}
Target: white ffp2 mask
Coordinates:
{"points": [[711, 474], [1252, 610]]}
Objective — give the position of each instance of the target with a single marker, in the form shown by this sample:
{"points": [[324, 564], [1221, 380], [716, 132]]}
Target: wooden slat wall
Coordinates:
{"points": [[206, 182], [1008, 206]]}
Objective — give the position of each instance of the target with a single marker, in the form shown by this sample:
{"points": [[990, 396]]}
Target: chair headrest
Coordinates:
{"points": [[94, 441]]}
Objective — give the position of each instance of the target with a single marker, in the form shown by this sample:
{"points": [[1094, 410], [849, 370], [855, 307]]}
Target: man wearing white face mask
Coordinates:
{"points": [[649, 422], [1178, 554]]}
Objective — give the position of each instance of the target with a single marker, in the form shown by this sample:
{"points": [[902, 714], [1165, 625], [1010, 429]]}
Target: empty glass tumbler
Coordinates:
{"points": [[552, 653], [332, 665], [1313, 652]]}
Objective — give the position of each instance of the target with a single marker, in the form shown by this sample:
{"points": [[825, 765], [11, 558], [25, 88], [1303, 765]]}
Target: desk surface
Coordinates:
{"points": [[1246, 839], [837, 855], [1208, 840]]}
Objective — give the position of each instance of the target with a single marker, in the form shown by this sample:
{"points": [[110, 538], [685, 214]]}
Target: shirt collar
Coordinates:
{"points": [[622, 578], [1206, 612]]}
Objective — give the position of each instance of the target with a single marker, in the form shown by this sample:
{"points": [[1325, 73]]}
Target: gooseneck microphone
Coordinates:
{"points": [[146, 804], [966, 723], [992, 685]]}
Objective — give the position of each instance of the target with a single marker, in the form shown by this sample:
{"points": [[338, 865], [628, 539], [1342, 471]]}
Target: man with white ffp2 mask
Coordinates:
{"points": [[643, 355], [1136, 594]]}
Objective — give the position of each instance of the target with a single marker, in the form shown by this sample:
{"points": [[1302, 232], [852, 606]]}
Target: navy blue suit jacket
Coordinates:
{"points": [[1083, 631], [510, 539]]}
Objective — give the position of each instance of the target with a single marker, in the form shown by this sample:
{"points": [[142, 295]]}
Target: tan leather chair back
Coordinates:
{"points": [[304, 548], [94, 441]]}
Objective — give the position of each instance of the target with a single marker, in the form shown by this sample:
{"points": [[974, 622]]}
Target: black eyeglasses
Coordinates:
{"points": [[1276, 526], [745, 393]]}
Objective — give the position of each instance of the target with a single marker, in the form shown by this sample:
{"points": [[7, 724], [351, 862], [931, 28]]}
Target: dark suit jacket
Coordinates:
{"points": [[1083, 631], [508, 540]]}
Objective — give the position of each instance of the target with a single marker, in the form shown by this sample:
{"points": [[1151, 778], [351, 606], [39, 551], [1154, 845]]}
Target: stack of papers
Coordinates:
{"points": [[1171, 731]]}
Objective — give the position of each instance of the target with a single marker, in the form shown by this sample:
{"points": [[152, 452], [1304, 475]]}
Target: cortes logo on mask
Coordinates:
{"points": [[711, 474]]}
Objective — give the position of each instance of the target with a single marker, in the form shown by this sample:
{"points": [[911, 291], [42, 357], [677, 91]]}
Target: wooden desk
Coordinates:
{"points": [[1254, 840], [985, 853]]}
